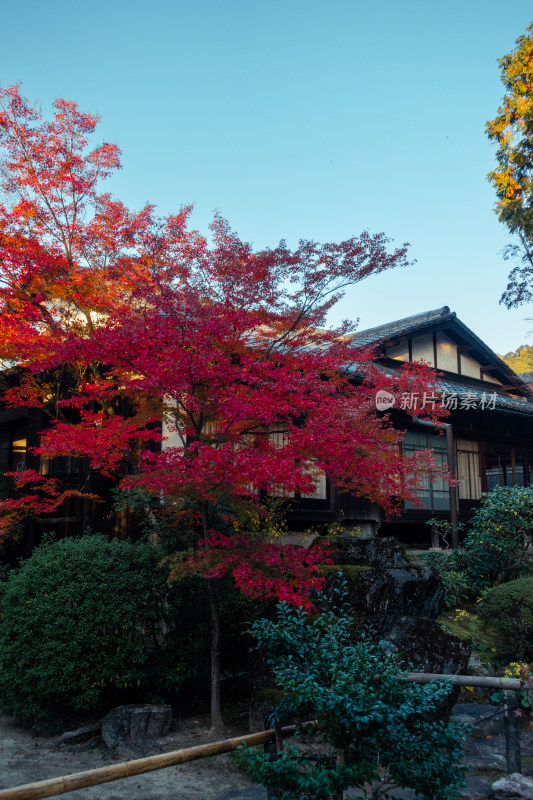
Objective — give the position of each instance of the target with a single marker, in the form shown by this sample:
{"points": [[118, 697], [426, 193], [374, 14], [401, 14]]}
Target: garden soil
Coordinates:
{"points": [[25, 759]]}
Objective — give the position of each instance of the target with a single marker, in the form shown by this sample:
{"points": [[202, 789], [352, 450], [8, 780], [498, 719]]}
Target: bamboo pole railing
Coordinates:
{"points": [[139, 766], [486, 682], [126, 769]]}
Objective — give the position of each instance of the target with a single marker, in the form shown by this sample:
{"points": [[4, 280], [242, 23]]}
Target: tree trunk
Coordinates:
{"points": [[217, 724], [216, 715], [153, 536]]}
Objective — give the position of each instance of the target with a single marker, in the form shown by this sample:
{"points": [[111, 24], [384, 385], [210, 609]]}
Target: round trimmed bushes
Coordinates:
{"points": [[85, 621], [508, 609]]}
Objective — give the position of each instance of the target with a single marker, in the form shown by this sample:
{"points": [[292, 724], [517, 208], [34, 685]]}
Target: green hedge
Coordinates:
{"points": [[508, 609], [85, 621]]}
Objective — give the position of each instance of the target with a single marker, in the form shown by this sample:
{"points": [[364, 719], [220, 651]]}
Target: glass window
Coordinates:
{"points": [[468, 470], [435, 495], [505, 466], [59, 467], [319, 479], [520, 473], [496, 472], [278, 438], [499, 468], [18, 454]]}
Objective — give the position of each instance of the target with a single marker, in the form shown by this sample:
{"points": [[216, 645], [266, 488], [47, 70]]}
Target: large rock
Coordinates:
{"points": [[392, 585], [513, 787], [400, 601], [129, 730], [423, 643], [485, 720]]}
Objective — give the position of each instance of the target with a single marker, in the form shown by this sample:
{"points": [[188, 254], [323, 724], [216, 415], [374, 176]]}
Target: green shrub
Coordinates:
{"points": [[379, 730], [495, 548], [86, 621], [508, 609]]}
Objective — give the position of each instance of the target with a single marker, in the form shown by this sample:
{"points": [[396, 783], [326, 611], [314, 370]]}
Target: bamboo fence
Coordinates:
{"points": [[127, 769]]}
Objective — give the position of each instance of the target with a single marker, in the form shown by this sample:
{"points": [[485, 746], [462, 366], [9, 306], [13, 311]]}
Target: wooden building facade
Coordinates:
{"points": [[489, 441]]}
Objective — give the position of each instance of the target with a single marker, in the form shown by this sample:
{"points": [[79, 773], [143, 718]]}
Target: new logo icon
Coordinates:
{"points": [[384, 400]]}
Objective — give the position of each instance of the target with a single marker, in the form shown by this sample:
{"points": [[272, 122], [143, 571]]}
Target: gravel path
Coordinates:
{"points": [[24, 759]]}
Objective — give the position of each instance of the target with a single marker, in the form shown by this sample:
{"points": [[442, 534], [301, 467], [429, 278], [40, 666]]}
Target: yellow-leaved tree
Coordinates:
{"points": [[512, 129]]}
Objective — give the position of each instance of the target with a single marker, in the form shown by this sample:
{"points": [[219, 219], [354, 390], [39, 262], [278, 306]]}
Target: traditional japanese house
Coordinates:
{"points": [[487, 440]]}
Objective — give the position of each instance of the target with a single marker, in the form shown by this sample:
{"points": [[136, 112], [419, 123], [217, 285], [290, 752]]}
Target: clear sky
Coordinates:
{"points": [[301, 119]]}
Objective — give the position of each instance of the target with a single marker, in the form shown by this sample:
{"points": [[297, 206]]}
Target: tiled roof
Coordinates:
{"points": [[488, 394], [402, 326], [409, 325]]}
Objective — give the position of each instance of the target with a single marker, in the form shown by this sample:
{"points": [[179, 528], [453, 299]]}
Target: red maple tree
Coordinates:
{"points": [[117, 321]]}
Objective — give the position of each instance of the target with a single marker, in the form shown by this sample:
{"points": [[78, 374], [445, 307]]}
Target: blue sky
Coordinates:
{"points": [[301, 119]]}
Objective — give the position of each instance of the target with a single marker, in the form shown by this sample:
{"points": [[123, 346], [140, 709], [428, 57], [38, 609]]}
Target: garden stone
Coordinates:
{"points": [[424, 643], [394, 586], [159, 722], [478, 667], [513, 787], [400, 601], [129, 730], [486, 720], [256, 792]]}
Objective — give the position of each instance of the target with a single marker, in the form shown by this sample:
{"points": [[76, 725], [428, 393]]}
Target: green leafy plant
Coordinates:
{"points": [[85, 621], [508, 609], [374, 727], [455, 582], [496, 546]]}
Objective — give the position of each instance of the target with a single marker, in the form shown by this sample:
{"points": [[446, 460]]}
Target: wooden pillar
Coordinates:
{"points": [[454, 516], [512, 733], [273, 750], [450, 453]]}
